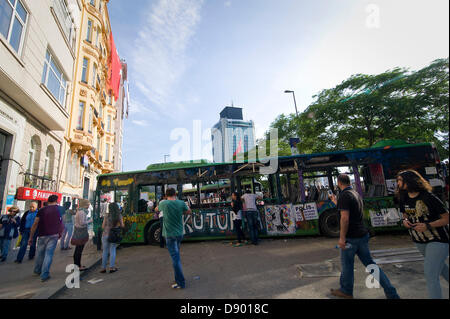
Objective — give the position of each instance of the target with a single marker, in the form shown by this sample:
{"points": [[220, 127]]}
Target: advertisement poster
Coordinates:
{"points": [[280, 220], [385, 217], [305, 212]]}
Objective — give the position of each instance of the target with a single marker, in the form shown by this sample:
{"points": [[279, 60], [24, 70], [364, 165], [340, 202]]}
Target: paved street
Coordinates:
{"points": [[18, 281], [270, 270]]}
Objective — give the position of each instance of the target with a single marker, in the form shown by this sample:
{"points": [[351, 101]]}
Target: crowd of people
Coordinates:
{"points": [[41, 229], [424, 215]]}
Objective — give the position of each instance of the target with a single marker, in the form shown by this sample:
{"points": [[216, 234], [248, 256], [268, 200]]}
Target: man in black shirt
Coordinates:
{"points": [[354, 240]]}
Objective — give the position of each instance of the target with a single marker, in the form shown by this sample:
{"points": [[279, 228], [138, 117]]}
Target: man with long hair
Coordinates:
{"points": [[426, 218]]}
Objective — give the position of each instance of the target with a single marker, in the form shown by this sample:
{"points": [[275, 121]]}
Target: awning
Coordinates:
{"points": [[24, 193]]}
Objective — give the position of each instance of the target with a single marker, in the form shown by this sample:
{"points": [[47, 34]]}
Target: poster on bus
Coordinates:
{"points": [[305, 212], [280, 220]]}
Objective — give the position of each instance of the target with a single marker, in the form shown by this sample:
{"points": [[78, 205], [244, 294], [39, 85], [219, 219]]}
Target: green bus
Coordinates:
{"points": [[295, 197]]}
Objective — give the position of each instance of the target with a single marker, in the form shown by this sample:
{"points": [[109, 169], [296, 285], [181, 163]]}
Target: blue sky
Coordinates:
{"points": [[188, 59]]}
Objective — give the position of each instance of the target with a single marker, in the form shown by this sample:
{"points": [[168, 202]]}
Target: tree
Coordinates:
{"points": [[364, 109]]}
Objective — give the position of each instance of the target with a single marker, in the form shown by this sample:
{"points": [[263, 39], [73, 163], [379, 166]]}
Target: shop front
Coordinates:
{"points": [[27, 195]]}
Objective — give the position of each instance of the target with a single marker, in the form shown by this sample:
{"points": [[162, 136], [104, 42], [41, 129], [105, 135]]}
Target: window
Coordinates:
{"points": [[98, 143], [85, 70], [80, 116], [97, 39], [73, 169], [90, 119], [13, 18], [100, 111], [49, 162], [109, 99], [245, 143], [93, 3], [108, 124], [31, 154], [94, 75], [54, 80], [65, 20], [107, 153], [89, 31]]}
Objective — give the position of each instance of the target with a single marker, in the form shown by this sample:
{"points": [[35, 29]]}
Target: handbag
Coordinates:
{"points": [[80, 236], [115, 235]]}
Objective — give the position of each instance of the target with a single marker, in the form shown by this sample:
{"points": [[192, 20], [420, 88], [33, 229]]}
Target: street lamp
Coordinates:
{"points": [[295, 102]]}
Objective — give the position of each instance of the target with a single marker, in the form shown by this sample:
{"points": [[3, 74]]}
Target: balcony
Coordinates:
{"points": [[45, 183]]}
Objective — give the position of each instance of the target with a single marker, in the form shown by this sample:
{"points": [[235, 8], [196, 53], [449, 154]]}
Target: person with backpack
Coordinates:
{"points": [[9, 229], [426, 218], [112, 236]]}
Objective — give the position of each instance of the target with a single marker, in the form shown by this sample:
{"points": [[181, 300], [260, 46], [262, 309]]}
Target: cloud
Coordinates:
{"points": [[159, 58], [140, 123], [227, 3]]}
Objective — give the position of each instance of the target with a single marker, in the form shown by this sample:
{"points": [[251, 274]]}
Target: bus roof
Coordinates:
{"points": [[204, 163]]}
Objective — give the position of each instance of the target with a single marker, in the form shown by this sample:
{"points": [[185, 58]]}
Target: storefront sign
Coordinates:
{"points": [[24, 193]]}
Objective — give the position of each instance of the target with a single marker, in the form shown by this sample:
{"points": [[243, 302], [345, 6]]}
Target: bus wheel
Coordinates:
{"points": [[329, 223], [152, 235]]}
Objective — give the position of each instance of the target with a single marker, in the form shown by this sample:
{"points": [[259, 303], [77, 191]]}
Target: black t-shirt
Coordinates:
{"points": [[350, 200], [425, 208], [237, 206]]}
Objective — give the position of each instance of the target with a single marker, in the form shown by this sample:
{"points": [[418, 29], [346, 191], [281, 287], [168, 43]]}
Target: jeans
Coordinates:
{"points": [[237, 225], [360, 247], [252, 220], [46, 247], [108, 248], [435, 254], [4, 246], [66, 235], [77, 255], [24, 245], [173, 245]]}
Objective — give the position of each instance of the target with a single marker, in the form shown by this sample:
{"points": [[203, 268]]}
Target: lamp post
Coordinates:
{"points": [[295, 102]]}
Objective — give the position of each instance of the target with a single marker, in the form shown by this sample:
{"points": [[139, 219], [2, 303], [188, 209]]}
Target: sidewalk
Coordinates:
{"points": [[18, 282]]}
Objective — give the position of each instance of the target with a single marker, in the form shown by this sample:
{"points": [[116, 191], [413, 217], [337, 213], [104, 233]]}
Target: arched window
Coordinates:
{"points": [[49, 162], [34, 154]]}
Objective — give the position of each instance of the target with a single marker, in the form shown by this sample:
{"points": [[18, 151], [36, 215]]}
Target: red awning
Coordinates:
{"points": [[24, 193]]}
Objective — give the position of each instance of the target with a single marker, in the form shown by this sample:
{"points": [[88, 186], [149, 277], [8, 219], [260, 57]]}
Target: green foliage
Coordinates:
{"points": [[364, 109]]}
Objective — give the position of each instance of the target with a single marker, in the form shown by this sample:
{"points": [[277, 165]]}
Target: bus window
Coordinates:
{"points": [[122, 199], [147, 197]]}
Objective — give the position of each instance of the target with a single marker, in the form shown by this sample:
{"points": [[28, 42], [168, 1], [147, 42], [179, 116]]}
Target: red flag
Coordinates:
{"points": [[239, 148], [115, 67]]}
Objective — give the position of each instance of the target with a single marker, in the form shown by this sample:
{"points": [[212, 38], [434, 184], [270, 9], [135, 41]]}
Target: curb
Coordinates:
{"points": [[82, 276]]}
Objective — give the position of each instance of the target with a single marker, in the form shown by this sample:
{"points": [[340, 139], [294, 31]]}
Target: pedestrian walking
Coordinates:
{"points": [[173, 231], [161, 221], [48, 224], [354, 240], [236, 206], [68, 226], [80, 232], [9, 229], [426, 218], [112, 226], [26, 223], [251, 213]]}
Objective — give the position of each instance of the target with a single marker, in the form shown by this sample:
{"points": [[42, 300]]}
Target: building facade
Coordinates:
{"points": [[90, 139], [232, 135], [37, 55]]}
